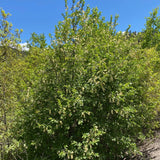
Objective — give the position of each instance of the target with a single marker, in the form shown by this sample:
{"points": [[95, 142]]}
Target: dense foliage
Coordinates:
{"points": [[93, 93]]}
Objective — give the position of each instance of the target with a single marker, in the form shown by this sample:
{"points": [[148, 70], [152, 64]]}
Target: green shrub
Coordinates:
{"points": [[91, 94], [91, 102]]}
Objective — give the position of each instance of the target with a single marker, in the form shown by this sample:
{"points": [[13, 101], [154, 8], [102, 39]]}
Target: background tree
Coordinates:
{"points": [[152, 30], [37, 40], [8, 53]]}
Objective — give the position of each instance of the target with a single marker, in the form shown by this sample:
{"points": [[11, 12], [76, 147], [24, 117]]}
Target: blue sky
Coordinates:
{"points": [[41, 16]]}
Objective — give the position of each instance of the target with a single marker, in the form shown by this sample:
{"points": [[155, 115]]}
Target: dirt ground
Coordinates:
{"points": [[151, 148]]}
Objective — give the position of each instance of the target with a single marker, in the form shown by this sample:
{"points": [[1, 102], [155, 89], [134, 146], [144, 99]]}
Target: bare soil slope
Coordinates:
{"points": [[151, 148]]}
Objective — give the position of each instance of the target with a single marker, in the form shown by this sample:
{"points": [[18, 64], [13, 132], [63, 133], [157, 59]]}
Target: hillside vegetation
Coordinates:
{"points": [[92, 93]]}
